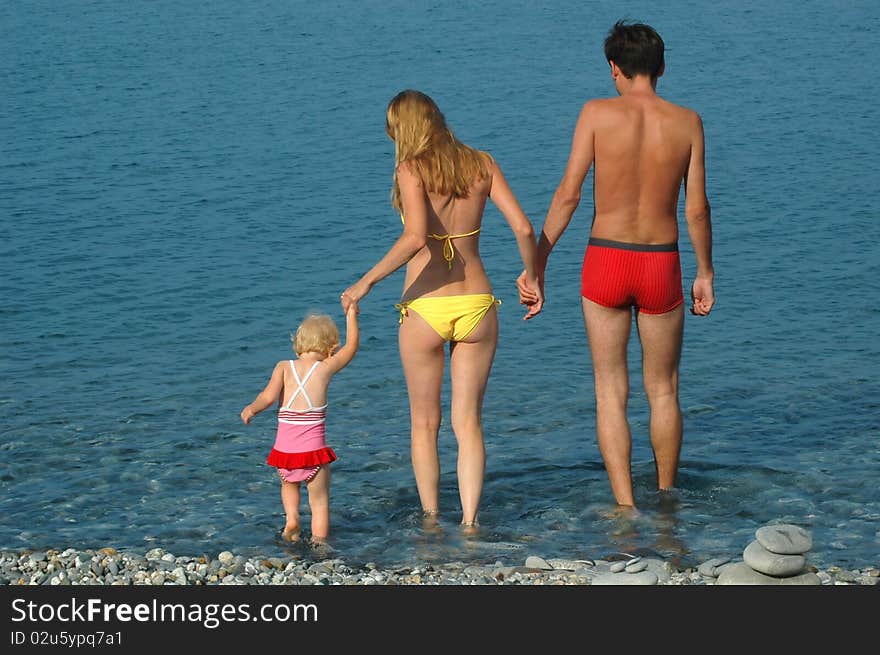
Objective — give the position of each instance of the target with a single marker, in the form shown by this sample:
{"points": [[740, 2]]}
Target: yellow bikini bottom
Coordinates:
{"points": [[452, 317]]}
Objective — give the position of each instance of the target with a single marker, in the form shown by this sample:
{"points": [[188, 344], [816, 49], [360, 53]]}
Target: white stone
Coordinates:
{"points": [[742, 574], [709, 568], [636, 566], [535, 562], [642, 578], [808, 578], [784, 539], [764, 561], [226, 557], [617, 567], [660, 568]]}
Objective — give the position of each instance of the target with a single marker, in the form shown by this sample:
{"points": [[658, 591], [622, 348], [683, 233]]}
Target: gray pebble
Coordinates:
{"points": [[808, 578], [741, 573], [643, 578], [764, 561], [784, 539], [535, 562], [636, 566], [709, 568], [617, 567]]}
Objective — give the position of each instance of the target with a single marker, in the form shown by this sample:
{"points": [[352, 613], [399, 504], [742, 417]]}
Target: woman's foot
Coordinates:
{"points": [[469, 528], [290, 533], [430, 519]]}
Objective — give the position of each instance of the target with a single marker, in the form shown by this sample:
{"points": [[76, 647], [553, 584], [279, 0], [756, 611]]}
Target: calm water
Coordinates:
{"points": [[179, 184]]}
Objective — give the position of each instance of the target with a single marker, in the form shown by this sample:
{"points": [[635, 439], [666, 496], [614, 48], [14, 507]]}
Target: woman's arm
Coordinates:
{"points": [[502, 195], [413, 239], [271, 394]]}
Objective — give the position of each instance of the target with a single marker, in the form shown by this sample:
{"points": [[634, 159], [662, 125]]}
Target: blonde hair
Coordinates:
{"points": [[317, 333], [421, 138]]}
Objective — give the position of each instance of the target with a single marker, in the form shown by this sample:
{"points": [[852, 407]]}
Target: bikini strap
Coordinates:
{"points": [[448, 248], [402, 306], [301, 385]]}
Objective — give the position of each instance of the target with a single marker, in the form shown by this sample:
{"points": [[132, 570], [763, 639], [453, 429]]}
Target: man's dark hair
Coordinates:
{"points": [[636, 48]]}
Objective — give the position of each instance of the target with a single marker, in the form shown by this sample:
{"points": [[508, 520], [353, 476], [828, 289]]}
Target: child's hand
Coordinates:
{"points": [[247, 414], [352, 309]]}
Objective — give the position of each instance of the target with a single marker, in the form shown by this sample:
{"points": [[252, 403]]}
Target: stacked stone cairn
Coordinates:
{"points": [[775, 557]]}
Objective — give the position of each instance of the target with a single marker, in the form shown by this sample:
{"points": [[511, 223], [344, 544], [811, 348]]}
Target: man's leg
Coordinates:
{"points": [[661, 336], [608, 332]]}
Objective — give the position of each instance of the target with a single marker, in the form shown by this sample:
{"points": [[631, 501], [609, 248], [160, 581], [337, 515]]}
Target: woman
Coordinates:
{"points": [[440, 189]]}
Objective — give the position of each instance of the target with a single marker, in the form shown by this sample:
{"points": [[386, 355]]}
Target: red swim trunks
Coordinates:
{"points": [[646, 276]]}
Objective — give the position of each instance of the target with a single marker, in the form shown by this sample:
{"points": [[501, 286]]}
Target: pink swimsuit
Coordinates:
{"points": [[300, 448]]}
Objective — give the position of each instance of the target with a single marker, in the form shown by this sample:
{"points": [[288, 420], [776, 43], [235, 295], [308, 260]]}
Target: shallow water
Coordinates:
{"points": [[180, 184]]}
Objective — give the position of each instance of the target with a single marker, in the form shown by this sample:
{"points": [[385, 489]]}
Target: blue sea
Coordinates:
{"points": [[181, 182]]}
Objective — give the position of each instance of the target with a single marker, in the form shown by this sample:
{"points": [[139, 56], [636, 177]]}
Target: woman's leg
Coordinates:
{"points": [[319, 503], [290, 501], [422, 355], [470, 363]]}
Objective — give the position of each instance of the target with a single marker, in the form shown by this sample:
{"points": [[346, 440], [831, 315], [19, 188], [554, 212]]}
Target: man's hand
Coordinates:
{"points": [[531, 294], [703, 296]]}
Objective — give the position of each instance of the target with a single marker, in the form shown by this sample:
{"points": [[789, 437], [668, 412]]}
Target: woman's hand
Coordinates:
{"points": [[531, 294], [353, 294]]}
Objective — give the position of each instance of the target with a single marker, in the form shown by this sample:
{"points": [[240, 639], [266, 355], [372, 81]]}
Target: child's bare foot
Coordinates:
{"points": [[290, 534]]}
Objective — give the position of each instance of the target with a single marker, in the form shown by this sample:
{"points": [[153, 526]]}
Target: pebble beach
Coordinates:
{"points": [[107, 566]]}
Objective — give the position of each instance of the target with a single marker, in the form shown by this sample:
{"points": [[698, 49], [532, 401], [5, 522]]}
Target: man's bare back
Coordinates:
{"points": [[642, 147]]}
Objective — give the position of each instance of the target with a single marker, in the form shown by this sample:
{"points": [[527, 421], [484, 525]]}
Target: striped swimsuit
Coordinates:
{"points": [[300, 448]]}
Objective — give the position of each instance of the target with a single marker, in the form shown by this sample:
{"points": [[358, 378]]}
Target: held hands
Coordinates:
{"points": [[703, 296], [531, 294], [353, 294]]}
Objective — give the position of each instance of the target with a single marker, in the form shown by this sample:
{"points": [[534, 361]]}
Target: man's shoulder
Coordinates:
{"points": [[597, 107], [599, 104], [685, 112]]}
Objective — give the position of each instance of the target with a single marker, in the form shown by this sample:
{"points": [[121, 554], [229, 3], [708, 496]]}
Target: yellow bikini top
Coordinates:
{"points": [[448, 248]]}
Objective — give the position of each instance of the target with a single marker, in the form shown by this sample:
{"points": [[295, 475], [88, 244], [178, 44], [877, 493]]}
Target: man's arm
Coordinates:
{"points": [[567, 195], [699, 223]]}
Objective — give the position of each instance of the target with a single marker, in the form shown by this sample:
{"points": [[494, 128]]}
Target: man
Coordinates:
{"points": [[644, 148]]}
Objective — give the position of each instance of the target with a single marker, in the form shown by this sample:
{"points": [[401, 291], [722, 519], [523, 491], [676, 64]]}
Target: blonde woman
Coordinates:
{"points": [[440, 189]]}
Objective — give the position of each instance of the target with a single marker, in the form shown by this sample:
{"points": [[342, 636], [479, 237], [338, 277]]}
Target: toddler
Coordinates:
{"points": [[299, 387]]}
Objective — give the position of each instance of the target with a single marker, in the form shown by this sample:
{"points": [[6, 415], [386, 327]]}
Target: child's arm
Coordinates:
{"points": [[344, 355], [271, 394]]}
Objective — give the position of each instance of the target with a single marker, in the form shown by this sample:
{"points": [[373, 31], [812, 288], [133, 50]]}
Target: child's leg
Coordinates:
{"points": [[319, 502], [290, 501]]}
